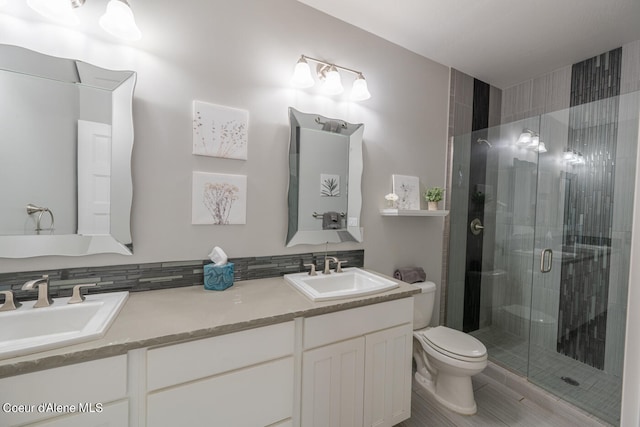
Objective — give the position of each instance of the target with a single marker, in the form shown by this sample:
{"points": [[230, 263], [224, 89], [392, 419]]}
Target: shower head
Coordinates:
{"points": [[484, 141]]}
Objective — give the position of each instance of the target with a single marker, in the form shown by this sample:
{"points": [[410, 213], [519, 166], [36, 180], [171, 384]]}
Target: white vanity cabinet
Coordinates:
{"points": [[239, 379], [89, 394], [345, 368], [356, 366]]}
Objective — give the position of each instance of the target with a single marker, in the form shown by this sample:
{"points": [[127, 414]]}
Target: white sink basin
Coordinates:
{"points": [[351, 282], [30, 330]]}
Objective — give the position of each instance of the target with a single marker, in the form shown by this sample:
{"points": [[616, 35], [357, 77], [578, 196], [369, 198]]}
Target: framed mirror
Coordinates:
{"points": [[325, 180], [66, 136]]}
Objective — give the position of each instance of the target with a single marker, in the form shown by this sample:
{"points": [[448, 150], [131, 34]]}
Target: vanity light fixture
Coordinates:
{"points": [[118, 19], [541, 148], [60, 11], [573, 157], [531, 140], [330, 76], [525, 137]]}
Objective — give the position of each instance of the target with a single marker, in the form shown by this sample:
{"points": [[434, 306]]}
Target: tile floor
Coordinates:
{"points": [[498, 405], [596, 390]]}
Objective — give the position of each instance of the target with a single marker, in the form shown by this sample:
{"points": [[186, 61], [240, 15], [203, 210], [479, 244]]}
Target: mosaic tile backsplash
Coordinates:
{"points": [[162, 275]]}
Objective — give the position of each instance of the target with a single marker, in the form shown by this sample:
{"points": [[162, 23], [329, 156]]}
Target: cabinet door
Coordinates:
{"points": [[332, 378], [387, 378]]}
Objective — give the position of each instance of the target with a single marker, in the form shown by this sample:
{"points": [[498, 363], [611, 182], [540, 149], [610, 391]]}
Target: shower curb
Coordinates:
{"points": [[539, 396]]}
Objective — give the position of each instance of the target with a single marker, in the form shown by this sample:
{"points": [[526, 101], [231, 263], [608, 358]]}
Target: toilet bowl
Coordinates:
{"points": [[446, 359]]}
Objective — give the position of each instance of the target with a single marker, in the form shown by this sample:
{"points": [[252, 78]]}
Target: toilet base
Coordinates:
{"points": [[466, 404]]}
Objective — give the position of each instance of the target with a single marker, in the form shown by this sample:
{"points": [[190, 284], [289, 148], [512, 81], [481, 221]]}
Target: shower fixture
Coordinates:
{"points": [[484, 141]]}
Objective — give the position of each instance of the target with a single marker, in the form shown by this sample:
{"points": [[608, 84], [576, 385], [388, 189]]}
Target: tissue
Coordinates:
{"points": [[219, 275], [218, 256]]}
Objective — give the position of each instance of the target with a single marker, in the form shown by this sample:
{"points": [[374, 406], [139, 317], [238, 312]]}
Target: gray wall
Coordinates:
{"points": [[241, 54]]}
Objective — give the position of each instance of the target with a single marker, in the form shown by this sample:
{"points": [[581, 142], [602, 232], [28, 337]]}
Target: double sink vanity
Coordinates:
{"points": [[258, 353]]}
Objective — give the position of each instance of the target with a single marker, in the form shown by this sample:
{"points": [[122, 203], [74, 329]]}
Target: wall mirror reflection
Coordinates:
{"points": [[66, 135], [325, 174]]}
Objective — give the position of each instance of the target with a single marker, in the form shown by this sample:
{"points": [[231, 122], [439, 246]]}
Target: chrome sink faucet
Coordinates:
{"points": [[44, 300]]}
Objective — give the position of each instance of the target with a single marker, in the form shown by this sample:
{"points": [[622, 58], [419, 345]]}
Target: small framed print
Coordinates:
{"points": [[219, 199], [407, 188], [220, 131]]}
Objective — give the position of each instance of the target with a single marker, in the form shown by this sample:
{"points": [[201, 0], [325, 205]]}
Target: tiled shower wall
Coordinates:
{"points": [[465, 107], [593, 132], [552, 93], [162, 275]]}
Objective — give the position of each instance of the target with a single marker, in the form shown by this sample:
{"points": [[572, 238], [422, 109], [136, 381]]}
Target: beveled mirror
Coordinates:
{"points": [[66, 135], [325, 180]]}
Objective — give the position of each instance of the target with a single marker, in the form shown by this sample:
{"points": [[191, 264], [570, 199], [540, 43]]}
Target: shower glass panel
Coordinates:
{"points": [[544, 284]]}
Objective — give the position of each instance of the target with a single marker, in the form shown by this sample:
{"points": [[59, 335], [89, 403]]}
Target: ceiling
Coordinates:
{"points": [[501, 42]]}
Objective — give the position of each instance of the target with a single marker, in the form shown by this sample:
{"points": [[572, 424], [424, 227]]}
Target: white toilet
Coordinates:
{"points": [[445, 358]]}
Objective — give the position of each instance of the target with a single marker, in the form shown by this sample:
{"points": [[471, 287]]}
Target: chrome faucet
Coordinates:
{"points": [[44, 300], [327, 262]]}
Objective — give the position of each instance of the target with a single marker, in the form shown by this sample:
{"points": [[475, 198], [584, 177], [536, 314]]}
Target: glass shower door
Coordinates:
{"points": [[492, 239], [582, 254], [539, 247]]}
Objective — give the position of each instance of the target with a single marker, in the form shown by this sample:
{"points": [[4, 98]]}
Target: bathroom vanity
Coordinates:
{"points": [[259, 353]]}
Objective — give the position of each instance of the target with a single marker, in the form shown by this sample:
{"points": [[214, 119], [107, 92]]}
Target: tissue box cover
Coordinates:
{"points": [[218, 277]]}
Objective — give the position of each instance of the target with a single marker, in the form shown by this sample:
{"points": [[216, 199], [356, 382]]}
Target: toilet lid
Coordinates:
{"points": [[450, 341]]}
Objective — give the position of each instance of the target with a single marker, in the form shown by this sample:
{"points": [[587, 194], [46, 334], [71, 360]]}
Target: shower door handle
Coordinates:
{"points": [[546, 255]]}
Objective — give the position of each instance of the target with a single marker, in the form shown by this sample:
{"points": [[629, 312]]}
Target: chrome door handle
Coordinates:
{"points": [[545, 267]]}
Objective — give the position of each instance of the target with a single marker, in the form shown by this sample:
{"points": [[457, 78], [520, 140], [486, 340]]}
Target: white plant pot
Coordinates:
{"points": [[432, 206]]}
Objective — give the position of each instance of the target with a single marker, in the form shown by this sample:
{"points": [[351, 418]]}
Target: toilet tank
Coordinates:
{"points": [[423, 304]]}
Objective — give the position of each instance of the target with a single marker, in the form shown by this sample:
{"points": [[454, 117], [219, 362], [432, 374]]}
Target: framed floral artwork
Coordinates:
{"points": [[219, 199], [220, 131], [329, 185], [407, 188]]}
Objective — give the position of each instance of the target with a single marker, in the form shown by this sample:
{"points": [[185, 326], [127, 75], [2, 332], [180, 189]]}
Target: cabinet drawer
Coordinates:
{"points": [[97, 381], [180, 363], [257, 396], [112, 415], [333, 327]]}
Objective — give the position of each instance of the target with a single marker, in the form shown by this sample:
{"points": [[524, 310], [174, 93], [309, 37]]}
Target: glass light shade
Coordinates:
{"points": [[118, 21], [541, 148], [59, 11], [302, 75], [525, 138], [332, 82], [359, 91]]}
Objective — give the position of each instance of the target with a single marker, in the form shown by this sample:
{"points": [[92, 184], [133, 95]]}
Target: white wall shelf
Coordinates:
{"points": [[400, 212]]}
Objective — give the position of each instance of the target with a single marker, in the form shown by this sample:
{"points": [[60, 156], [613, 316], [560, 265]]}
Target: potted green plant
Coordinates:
{"points": [[433, 195]]}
